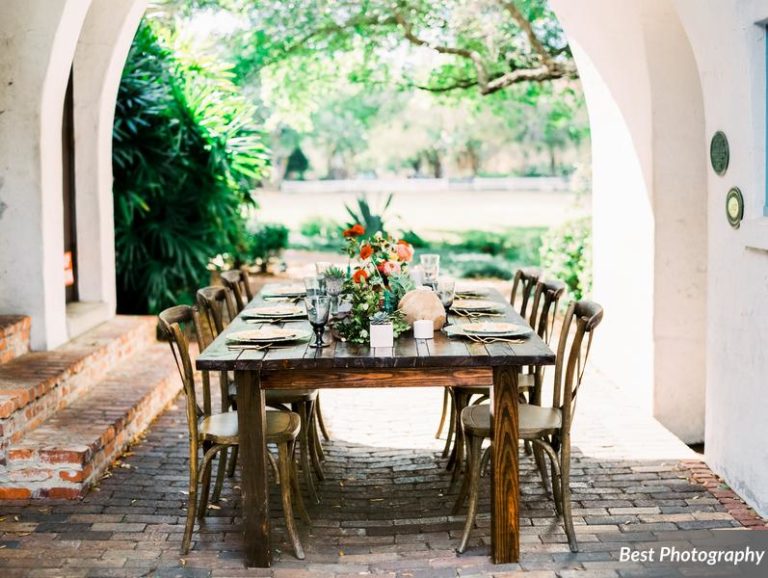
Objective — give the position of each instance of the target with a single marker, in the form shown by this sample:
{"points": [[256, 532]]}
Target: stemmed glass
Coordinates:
{"points": [[446, 291], [314, 285], [318, 307], [430, 265]]}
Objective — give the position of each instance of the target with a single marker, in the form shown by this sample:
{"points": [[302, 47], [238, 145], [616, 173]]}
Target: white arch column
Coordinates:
{"points": [[38, 39], [649, 201], [99, 61]]}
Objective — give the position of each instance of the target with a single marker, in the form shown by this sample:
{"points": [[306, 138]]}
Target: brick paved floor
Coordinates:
{"points": [[385, 508]]}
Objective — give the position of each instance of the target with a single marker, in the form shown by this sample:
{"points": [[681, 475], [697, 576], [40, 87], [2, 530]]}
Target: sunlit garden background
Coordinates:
{"points": [[248, 134]]}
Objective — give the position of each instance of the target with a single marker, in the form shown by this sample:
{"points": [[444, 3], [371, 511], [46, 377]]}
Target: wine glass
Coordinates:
{"points": [[318, 307], [446, 291], [334, 287], [430, 265], [314, 286]]}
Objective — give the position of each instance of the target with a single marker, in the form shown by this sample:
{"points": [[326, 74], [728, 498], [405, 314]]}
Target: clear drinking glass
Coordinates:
{"points": [[446, 291], [314, 285], [430, 265], [318, 308]]}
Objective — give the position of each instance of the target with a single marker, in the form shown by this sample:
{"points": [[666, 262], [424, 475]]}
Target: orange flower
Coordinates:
{"points": [[359, 276], [355, 231], [366, 251]]}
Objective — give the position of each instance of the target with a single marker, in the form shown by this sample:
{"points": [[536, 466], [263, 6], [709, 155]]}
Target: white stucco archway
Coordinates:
{"points": [[649, 201], [41, 41]]}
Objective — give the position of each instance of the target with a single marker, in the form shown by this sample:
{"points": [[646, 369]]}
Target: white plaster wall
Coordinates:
{"points": [[649, 201], [99, 60], [730, 51], [38, 40]]}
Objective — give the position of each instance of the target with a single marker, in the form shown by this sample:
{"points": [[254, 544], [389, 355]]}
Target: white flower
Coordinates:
{"points": [[363, 333]]}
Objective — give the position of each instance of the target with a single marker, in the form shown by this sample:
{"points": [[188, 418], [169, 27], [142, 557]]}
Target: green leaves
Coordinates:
{"points": [[186, 156]]}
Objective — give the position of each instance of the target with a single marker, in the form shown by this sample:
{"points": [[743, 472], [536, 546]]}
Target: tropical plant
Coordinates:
{"points": [[371, 219], [566, 253], [186, 157]]}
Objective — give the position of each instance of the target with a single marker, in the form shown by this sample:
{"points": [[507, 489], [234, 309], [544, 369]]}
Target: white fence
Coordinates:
{"points": [[544, 184]]}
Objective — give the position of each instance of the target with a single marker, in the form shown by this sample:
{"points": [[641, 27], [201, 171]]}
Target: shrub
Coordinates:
{"points": [[566, 253], [186, 157], [268, 240]]}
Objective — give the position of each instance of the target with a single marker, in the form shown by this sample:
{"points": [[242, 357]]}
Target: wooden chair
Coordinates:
{"points": [[547, 428], [546, 298], [524, 283], [214, 432], [218, 306], [238, 282]]}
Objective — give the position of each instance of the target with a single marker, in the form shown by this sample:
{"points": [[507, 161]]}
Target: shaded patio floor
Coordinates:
{"points": [[385, 508]]}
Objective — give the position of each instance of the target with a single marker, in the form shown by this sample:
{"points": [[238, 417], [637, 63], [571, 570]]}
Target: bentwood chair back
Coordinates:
{"points": [[217, 308], [524, 284], [238, 282]]}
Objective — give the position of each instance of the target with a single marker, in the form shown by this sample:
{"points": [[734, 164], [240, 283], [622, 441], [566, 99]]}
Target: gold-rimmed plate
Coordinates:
{"points": [[476, 305], [279, 311], [268, 334], [291, 290]]}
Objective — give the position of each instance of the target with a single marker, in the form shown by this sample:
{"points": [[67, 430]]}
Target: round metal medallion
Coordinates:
{"points": [[734, 207], [719, 153]]}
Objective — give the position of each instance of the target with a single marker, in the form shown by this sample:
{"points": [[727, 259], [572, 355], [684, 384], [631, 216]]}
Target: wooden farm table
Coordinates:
{"points": [[412, 362]]}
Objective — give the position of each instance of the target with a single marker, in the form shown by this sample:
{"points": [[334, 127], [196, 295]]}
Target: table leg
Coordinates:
{"points": [[505, 479], [251, 418]]}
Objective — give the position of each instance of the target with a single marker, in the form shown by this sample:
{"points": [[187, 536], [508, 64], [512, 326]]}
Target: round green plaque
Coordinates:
{"points": [[719, 153], [734, 207]]}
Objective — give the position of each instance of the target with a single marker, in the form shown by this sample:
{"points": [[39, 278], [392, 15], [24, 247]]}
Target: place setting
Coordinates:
{"points": [[291, 293], [488, 332], [266, 337], [277, 313], [473, 308]]}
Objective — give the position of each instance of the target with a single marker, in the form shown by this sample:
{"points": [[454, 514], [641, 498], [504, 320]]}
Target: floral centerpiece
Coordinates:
{"points": [[377, 281]]}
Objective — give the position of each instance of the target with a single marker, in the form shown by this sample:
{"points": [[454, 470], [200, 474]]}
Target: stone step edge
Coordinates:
{"points": [[74, 469], [14, 336], [22, 410]]}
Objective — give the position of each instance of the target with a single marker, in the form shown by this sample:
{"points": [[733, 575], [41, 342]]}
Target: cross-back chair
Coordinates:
{"points": [[237, 281], [546, 297], [212, 433], [547, 428], [218, 306]]}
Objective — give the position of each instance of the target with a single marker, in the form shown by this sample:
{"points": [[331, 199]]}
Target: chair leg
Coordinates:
{"points": [[451, 423], [475, 455], [316, 434], [210, 453], [284, 463], [312, 441], [233, 461], [321, 421], [459, 446], [485, 463], [443, 414], [295, 486], [220, 473], [565, 492], [304, 453], [458, 405], [541, 465], [191, 502]]}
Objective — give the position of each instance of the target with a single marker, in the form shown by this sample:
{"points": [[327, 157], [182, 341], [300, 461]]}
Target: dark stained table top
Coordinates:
{"points": [[440, 352]]}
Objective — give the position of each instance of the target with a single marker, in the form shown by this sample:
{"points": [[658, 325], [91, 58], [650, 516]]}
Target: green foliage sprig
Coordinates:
{"points": [[566, 253]]}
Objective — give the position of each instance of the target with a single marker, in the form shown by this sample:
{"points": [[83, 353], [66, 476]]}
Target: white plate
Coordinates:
{"points": [[268, 334], [509, 331], [285, 291], [476, 305], [281, 310]]}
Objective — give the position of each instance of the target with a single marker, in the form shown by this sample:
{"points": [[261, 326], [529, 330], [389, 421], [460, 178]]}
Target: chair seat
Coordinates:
{"points": [[282, 426], [281, 396], [524, 381], [534, 420]]}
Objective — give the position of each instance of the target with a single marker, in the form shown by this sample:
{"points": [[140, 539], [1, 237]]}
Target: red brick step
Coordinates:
{"points": [[35, 385], [71, 450]]}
